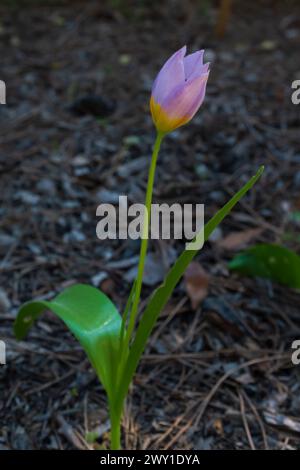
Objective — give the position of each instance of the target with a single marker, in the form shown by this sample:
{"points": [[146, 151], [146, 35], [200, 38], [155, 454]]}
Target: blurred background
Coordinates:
{"points": [[76, 131]]}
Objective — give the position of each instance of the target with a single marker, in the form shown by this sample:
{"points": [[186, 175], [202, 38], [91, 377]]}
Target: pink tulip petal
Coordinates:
{"points": [[182, 104], [192, 62], [200, 70], [170, 76]]}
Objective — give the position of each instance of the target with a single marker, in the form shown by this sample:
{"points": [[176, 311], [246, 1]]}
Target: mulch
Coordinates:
{"points": [[76, 131]]}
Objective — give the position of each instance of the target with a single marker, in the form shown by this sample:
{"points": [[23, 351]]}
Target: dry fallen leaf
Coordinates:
{"points": [[237, 240], [196, 283]]}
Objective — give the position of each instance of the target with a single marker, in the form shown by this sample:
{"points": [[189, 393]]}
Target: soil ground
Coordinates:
{"points": [[218, 375]]}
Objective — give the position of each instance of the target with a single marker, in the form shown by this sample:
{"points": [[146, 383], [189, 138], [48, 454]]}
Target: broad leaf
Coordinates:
{"points": [[163, 293], [92, 318], [269, 261]]}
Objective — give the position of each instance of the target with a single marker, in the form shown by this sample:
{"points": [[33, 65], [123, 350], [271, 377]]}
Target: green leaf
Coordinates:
{"points": [[92, 318], [163, 293], [269, 261]]}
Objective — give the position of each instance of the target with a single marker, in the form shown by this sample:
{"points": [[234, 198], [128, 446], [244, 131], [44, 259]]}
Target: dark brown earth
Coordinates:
{"points": [[215, 376]]}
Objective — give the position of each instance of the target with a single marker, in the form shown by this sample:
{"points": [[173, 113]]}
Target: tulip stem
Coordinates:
{"points": [[115, 433], [145, 236], [132, 310]]}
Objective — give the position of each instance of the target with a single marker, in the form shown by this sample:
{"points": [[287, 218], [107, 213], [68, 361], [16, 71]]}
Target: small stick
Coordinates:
{"points": [[245, 422], [223, 17]]}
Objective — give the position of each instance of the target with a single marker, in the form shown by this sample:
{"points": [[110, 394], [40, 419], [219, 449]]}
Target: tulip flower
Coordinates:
{"points": [[178, 90]]}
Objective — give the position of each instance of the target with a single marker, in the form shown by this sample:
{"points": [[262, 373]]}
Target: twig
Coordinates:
{"points": [[245, 422]]}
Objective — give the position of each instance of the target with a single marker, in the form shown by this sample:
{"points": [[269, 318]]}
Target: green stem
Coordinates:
{"points": [[145, 236], [115, 432], [116, 411]]}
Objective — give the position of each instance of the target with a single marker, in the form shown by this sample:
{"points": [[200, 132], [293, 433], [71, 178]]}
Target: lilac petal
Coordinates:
{"points": [[192, 62], [170, 76], [200, 70], [183, 103]]}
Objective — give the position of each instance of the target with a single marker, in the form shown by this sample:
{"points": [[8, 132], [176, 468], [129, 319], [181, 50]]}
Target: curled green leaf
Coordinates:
{"points": [[92, 318]]}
